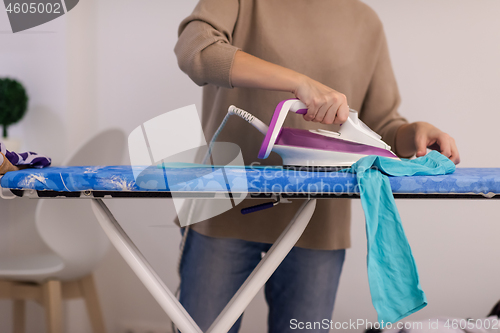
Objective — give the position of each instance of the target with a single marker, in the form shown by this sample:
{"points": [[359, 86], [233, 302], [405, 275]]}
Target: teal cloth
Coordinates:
{"points": [[392, 272]]}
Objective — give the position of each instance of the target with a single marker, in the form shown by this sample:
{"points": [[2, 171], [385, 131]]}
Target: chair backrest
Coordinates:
{"points": [[68, 226]]}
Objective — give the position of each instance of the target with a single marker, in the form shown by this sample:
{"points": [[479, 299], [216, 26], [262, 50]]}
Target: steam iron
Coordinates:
{"points": [[320, 148]]}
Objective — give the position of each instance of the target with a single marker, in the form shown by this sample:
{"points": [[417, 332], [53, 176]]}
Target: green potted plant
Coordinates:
{"points": [[13, 106]]}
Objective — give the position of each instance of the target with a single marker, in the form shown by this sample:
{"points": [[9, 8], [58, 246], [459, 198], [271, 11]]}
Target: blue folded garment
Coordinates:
{"points": [[392, 273]]}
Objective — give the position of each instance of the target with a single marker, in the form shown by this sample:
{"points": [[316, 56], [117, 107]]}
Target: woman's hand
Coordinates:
{"points": [[325, 105], [416, 137]]}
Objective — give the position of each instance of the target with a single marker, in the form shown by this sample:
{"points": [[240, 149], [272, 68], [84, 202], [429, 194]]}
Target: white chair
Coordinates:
{"points": [[69, 228]]}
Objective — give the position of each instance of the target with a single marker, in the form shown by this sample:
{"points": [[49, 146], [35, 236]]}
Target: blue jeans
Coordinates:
{"points": [[303, 288]]}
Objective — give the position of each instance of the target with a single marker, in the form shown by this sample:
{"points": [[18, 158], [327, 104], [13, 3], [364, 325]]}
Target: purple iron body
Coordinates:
{"points": [[316, 148]]}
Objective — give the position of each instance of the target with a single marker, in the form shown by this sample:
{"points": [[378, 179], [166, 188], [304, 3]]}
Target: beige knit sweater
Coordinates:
{"points": [[340, 43]]}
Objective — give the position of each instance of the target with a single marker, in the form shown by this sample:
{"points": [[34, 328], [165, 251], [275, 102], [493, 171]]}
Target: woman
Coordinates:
{"points": [[331, 55]]}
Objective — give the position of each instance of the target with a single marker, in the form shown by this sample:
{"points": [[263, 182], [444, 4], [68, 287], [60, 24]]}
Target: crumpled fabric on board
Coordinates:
{"points": [[392, 272], [27, 159]]}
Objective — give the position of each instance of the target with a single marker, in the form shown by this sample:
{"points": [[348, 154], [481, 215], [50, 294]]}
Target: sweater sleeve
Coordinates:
{"points": [[380, 106], [204, 49]]}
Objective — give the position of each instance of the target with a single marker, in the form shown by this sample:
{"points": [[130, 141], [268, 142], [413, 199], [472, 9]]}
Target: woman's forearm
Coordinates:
{"points": [[252, 72], [324, 104]]}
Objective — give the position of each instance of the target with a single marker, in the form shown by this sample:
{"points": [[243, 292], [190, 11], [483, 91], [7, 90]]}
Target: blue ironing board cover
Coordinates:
{"points": [[239, 179]]}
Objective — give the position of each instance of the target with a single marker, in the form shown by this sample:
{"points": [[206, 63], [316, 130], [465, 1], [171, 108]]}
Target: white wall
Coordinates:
{"points": [[138, 79], [121, 71], [36, 59], [445, 55]]}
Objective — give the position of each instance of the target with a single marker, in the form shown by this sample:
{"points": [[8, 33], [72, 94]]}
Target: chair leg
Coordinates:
{"points": [[19, 316], [52, 301], [89, 292]]}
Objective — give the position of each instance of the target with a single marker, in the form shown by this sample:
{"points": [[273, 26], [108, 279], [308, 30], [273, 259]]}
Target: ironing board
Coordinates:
{"points": [[96, 183]]}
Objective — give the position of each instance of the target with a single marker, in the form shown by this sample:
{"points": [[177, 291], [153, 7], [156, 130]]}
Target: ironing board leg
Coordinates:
{"points": [[243, 296], [264, 269], [144, 271]]}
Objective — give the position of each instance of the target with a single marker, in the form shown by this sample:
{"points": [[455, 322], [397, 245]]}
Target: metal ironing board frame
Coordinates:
{"points": [[254, 282], [245, 294], [36, 194], [153, 282], [166, 298]]}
